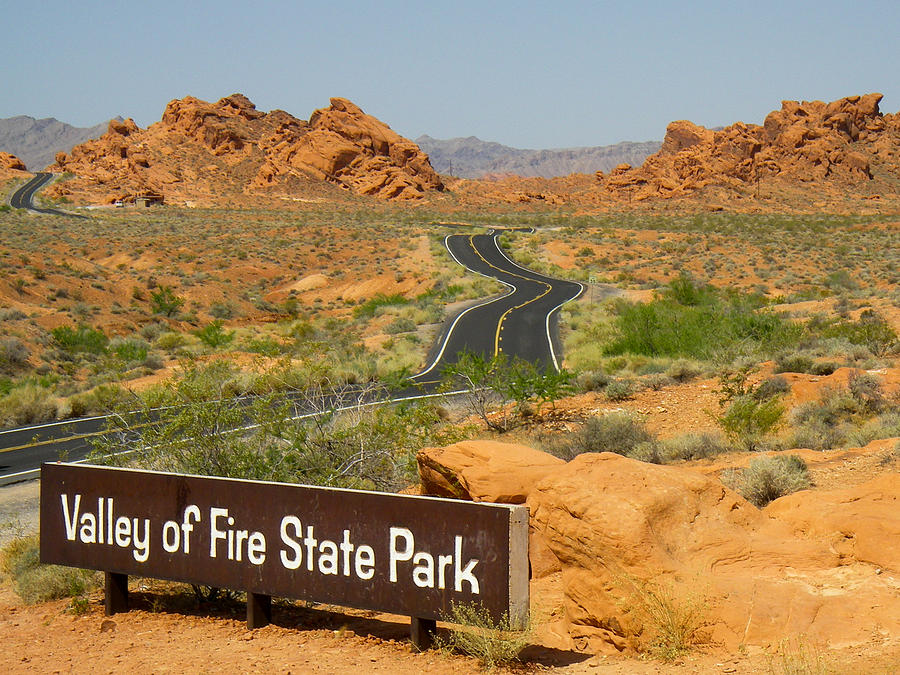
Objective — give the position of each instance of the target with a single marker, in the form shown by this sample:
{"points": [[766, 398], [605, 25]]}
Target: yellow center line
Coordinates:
{"points": [[503, 316], [50, 441]]}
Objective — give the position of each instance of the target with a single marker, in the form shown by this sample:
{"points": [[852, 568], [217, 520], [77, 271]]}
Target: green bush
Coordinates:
{"points": [[130, 350], [214, 334], [164, 301], [81, 339], [747, 420], [699, 323], [769, 478]]}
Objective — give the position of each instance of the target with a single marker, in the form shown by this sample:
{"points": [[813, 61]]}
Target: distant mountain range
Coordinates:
{"points": [[36, 142], [473, 158]]}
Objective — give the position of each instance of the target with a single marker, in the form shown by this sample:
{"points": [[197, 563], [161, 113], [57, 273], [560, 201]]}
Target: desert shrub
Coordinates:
{"points": [[131, 350], [171, 340], [214, 334], [748, 420], [490, 385], [865, 388], [194, 424], [153, 361], [153, 330], [768, 478], [657, 381], [400, 325], [771, 387], [28, 404], [13, 354], [370, 307], [101, 399], [35, 582], [476, 633], [683, 370], [883, 426], [81, 339], [618, 432], [843, 416], [673, 617], [592, 380], [823, 368], [795, 362], [164, 301], [222, 310], [620, 389], [693, 446], [871, 331]]}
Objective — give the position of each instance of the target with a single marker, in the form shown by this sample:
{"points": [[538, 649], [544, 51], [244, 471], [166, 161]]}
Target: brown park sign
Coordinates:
{"points": [[394, 553]]}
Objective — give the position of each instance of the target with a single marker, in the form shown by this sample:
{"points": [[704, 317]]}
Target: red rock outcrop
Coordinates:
{"points": [[210, 151], [11, 162], [613, 525], [802, 142]]}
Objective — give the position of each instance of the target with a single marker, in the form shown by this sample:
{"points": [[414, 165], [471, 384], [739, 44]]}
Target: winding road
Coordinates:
{"points": [[520, 323], [23, 198]]}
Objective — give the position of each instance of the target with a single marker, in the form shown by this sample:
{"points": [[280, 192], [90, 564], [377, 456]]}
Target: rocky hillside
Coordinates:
{"points": [[36, 142], [804, 142], [210, 152], [473, 158]]}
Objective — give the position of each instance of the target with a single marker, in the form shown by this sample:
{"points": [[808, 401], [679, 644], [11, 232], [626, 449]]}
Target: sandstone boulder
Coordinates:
{"points": [[484, 471]]}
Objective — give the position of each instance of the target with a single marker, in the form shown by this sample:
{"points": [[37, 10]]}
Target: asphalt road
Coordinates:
{"points": [[520, 323], [23, 198]]}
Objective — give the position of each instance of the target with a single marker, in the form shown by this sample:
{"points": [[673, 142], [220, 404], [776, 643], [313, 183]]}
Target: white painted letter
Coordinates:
{"points": [[71, 519], [214, 533], [463, 574], [291, 563], [396, 555]]}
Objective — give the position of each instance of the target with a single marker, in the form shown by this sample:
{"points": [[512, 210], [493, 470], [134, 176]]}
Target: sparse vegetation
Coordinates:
{"points": [[34, 582], [768, 478], [476, 633]]}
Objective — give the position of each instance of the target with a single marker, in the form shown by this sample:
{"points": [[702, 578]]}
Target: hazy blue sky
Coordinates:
{"points": [[539, 75]]}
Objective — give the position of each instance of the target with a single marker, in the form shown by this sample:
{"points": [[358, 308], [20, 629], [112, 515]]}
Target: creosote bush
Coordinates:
{"points": [[769, 478]]}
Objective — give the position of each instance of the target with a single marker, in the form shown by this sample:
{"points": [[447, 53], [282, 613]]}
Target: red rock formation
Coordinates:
{"points": [[808, 141], [814, 563], [213, 150], [11, 162]]}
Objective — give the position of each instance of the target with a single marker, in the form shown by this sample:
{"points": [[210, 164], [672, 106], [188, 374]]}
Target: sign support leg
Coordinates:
{"points": [[116, 592], [422, 632], [259, 610]]}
